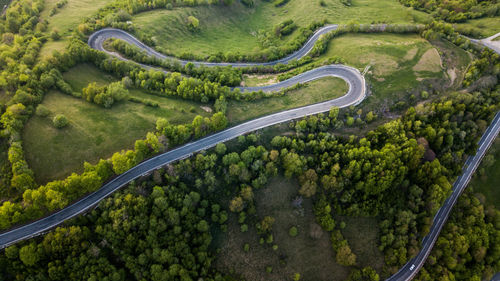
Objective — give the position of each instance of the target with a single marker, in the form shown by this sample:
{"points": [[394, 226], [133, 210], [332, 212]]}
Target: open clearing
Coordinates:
{"points": [[235, 28], [94, 132], [485, 26], [391, 57], [67, 19], [313, 258], [398, 63], [313, 92], [489, 183]]}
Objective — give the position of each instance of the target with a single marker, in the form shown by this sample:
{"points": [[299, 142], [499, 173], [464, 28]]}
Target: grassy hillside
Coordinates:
{"points": [[236, 28], [313, 92], [67, 19], [399, 63], [94, 132], [485, 26]]}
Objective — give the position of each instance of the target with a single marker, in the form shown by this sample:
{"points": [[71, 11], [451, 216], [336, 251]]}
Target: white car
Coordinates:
{"points": [[412, 267]]}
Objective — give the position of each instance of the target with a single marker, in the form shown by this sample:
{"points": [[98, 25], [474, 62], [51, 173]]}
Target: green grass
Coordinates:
{"points": [[94, 132], [391, 57], [399, 64], [67, 19], [487, 181], [362, 235], [486, 26], [234, 28], [312, 92], [313, 258]]}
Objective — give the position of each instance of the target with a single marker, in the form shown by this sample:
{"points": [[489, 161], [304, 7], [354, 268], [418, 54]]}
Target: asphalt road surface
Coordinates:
{"points": [[410, 270], [355, 95], [97, 39]]}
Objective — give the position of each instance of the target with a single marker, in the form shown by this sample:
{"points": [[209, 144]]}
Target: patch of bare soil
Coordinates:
{"points": [[206, 108], [430, 61]]}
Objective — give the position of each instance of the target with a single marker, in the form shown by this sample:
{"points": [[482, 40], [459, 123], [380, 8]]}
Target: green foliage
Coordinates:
{"points": [[162, 238], [42, 111], [456, 11], [279, 3], [285, 28], [60, 121], [193, 23], [293, 232], [105, 96]]}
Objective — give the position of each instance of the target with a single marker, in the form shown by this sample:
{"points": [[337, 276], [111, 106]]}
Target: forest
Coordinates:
{"points": [[163, 225]]}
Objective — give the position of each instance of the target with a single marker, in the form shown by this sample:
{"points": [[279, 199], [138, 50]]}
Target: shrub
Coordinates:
{"points": [[248, 3], [42, 111], [60, 121], [279, 3], [293, 232], [346, 2], [193, 23], [55, 35]]}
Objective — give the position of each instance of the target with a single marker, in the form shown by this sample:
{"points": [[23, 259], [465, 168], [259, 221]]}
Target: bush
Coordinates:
{"points": [[55, 35], [279, 3], [193, 23], [248, 3], [42, 111], [293, 232], [346, 2], [60, 121]]}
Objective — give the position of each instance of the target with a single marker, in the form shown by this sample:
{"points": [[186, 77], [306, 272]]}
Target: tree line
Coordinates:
{"points": [[389, 173]]}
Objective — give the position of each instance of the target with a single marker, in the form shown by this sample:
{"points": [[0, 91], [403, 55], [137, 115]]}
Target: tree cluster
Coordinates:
{"points": [[456, 11], [105, 96]]}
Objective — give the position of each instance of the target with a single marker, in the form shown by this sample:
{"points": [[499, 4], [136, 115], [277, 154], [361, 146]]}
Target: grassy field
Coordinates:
{"points": [[362, 234], [399, 63], [489, 183], [235, 28], [486, 26], [94, 132], [313, 92], [67, 19], [312, 257]]}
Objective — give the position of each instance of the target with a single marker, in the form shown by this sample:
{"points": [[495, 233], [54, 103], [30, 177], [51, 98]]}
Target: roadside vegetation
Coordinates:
{"points": [[486, 180], [94, 132], [245, 30], [358, 205], [480, 28], [313, 92]]}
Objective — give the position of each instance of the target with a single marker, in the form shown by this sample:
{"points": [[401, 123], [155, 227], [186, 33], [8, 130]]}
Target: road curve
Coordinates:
{"points": [[96, 41], [355, 95]]}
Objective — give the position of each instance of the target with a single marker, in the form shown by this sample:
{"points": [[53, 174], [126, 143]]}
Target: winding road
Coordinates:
{"points": [[355, 95]]}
